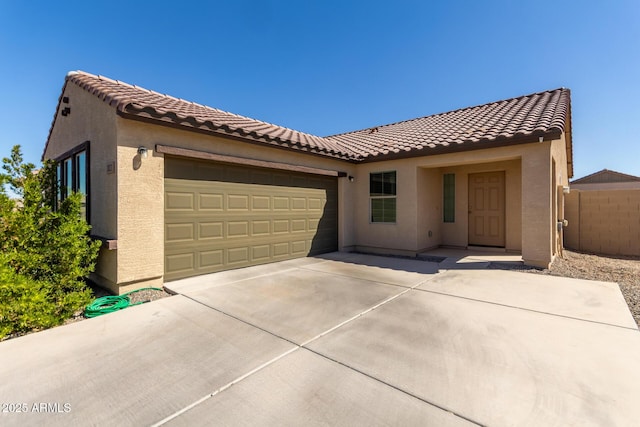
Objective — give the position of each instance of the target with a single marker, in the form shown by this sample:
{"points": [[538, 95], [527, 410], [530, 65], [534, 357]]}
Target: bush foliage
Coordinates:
{"points": [[29, 305], [46, 252]]}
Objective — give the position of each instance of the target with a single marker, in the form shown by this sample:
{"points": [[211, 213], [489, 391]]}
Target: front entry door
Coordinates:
{"points": [[486, 209]]}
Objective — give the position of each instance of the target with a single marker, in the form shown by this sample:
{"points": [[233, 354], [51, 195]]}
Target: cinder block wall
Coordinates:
{"points": [[603, 221]]}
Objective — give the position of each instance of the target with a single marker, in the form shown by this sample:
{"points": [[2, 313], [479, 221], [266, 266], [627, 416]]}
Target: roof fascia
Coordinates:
{"points": [[55, 117], [467, 146], [569, 140]]}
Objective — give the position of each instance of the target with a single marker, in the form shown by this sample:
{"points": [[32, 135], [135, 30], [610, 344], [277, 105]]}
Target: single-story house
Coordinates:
{"points": [[606, 179], [176, 189]]}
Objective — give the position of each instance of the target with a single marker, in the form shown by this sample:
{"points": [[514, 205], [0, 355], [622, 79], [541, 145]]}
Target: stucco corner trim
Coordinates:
{"points": [[204, 155]]}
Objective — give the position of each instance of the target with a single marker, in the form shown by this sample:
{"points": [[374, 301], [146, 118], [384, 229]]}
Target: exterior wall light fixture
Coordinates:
{"points": [[351, 178], [143, 152]]}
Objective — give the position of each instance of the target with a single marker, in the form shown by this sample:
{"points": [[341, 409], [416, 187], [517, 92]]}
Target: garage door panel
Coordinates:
{"points": [[299, 247], [298, 225], [298, 203], [179, 263], [260, 252], [315, 204], [238, 255], [210, 230], [211, 202], [281, 249], [211, 259], [237, 229], [238, 202], [281, 203], [260, 203], [226, 216], [179, 232], [260, 228], [179, 201]]}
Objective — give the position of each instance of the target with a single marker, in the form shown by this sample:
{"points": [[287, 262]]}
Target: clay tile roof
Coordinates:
{"points": [[539, 114], [136, 101], [522, 119]]}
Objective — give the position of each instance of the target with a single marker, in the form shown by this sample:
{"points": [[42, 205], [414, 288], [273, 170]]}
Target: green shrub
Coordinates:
{"points": [[27, 305], [51, 247]]}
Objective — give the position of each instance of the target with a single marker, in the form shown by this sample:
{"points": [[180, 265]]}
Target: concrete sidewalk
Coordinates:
{"points": [[340, 339]]}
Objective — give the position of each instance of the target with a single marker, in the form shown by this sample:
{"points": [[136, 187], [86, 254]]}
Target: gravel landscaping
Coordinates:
{"points": [[147, 295], [623, 270]]}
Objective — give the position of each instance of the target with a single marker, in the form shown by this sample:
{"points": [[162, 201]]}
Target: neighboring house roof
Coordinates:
{"points": [[606, 176], [523, 119]]}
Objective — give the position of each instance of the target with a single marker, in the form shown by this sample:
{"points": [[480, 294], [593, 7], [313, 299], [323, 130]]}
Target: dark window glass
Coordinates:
{"points": [[68, 177], [383, 209], [382, 184], [375, 184], [59, 195], [382, 189], [72, 175], [389, 183], [449, 197], [81, 180]]}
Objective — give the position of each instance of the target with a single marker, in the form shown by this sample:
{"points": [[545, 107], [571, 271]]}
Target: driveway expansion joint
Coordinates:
{"points": [[529, 309], [304, 346], [373, 281], [428, 402]]}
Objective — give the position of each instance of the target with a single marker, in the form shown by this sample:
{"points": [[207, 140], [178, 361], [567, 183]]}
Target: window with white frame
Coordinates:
{"points": [[382, 194]]}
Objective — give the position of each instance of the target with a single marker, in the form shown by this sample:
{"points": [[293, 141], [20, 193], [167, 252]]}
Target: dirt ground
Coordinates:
{"points": [[623, 270]]}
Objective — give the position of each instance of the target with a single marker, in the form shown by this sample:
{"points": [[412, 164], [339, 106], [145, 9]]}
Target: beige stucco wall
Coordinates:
{"points": [[419, 201], [429, 228], [398, 237], [558, 182], [141, 192], [536, 206], [456, 233], [94, 121], [605, 221]]}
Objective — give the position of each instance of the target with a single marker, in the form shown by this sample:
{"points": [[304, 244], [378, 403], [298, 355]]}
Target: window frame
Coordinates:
{"points": [[70, 157], [383, 196]]}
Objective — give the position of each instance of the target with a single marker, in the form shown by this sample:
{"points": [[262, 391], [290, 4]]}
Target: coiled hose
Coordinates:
{"points": [[111, 303]]}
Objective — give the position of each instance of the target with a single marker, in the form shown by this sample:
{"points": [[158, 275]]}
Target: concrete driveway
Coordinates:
{"points": [[341, 339]]}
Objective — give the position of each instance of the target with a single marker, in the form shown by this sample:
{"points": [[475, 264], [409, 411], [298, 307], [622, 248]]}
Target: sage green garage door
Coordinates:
{"points": [[220, 216]]}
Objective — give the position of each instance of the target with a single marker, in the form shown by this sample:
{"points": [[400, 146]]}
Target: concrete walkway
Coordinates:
{"points": [[341, 339]]}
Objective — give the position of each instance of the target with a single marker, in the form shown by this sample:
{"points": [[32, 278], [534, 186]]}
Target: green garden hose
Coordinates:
{"points": [[109, 304]]}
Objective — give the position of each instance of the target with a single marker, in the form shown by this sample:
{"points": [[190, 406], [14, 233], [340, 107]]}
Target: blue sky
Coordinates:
{"points": [[326, 67]]}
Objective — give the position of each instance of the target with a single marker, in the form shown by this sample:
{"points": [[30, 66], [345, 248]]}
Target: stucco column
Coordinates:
{"points": [[140, 216], [536, 206]]}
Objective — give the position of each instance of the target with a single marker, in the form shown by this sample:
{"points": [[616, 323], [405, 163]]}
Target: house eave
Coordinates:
{"points": [[466, 146], [249, 138]]}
